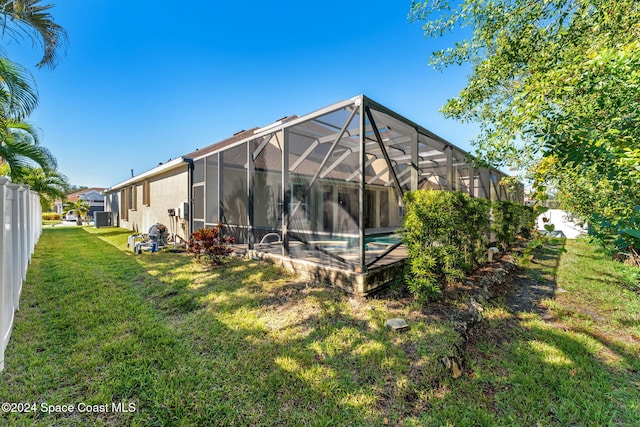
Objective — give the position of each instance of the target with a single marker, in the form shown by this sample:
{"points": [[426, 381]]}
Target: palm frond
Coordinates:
{"points": [[21, 155], [32, 19], [18, 93], [79, 206], [50, 185], [26, 131]]}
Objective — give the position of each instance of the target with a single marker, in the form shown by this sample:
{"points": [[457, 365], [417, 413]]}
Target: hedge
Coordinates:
{"points": [[509, 220], [51, 216], [446, 234]]}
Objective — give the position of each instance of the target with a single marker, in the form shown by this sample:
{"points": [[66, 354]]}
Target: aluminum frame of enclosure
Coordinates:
{"points": [[328, 186]]}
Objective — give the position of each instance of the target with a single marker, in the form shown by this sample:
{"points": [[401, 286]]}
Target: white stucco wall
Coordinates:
{"points": [[167, 190]]}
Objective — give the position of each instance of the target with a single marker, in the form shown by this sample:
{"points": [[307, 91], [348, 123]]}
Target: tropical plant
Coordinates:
{"points": [[30, 18], [18, 96], [79, 207], [210, 243], [20, 149], [20, 18], [49, 184], [510, 220]]}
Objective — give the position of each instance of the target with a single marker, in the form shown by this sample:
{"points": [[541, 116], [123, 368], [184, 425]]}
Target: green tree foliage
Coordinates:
{"points": [[20, 19], [20, 150], [609, 206], [19, 147], [552, 78], [544, 72], [18, 95]]}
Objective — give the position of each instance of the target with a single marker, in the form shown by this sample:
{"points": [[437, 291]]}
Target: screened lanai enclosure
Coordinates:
{"points": [[327, 187]]}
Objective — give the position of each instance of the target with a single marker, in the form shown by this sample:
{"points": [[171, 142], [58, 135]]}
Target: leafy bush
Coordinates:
{"points": [[210, 244], [624, 233], [611, 207], [509, 220], [445, 237], [51, 216]]}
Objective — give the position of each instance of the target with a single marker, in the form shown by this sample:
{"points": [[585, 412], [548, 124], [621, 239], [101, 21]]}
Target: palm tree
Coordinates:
{"points": [[18, 139], [20, 149], [18, 97], [49, 184], [20, 18], [80, 207]]}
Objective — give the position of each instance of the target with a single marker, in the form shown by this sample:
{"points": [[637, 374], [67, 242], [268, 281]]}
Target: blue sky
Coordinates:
{"points": [[146, 81]]}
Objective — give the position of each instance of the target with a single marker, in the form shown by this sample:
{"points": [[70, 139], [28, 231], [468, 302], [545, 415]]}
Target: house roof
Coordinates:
{"points": [[238, 136], [163, 167], [73, 197]]}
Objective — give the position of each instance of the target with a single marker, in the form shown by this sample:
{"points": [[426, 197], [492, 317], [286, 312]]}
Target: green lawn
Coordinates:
{"points": [[248, 344], [245, 344], [577, 365]]}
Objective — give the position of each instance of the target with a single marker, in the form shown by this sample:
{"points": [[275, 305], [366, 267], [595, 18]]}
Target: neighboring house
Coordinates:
{"points": [[93, 196]]}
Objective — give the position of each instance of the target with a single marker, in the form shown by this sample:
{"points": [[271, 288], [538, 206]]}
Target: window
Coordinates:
{"points": [[146, 196], [132, 200], [124, 209]]}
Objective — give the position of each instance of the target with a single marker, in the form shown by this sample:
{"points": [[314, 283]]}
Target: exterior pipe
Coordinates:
{"points": [[492, 250]]}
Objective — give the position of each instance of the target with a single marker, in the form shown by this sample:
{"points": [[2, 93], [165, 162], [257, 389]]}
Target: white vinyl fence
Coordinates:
{"points": [[21, 223]]}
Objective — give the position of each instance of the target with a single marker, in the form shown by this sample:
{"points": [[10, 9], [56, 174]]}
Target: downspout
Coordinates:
{"points": [[189, 195]]}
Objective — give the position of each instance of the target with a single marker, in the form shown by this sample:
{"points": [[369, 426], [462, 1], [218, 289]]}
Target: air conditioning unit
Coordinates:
{"points": [[102, 219]]}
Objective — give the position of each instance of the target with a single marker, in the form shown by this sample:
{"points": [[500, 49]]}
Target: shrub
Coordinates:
{"points": [[445, 235], [51, 216], [620, 237], [210, 244], [509, 220]]}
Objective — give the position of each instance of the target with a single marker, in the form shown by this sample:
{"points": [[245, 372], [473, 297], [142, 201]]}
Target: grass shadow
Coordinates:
{"points": [[248, 344], [530, 369]]}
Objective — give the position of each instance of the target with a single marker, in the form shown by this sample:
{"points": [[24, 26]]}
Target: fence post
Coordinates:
{"points": [[6, 262], [24, 258], [28, 224], [16, 231], [38, 217]]}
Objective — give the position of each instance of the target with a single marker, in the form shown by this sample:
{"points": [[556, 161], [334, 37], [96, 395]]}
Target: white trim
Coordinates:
{"points": [[152, 172]]}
